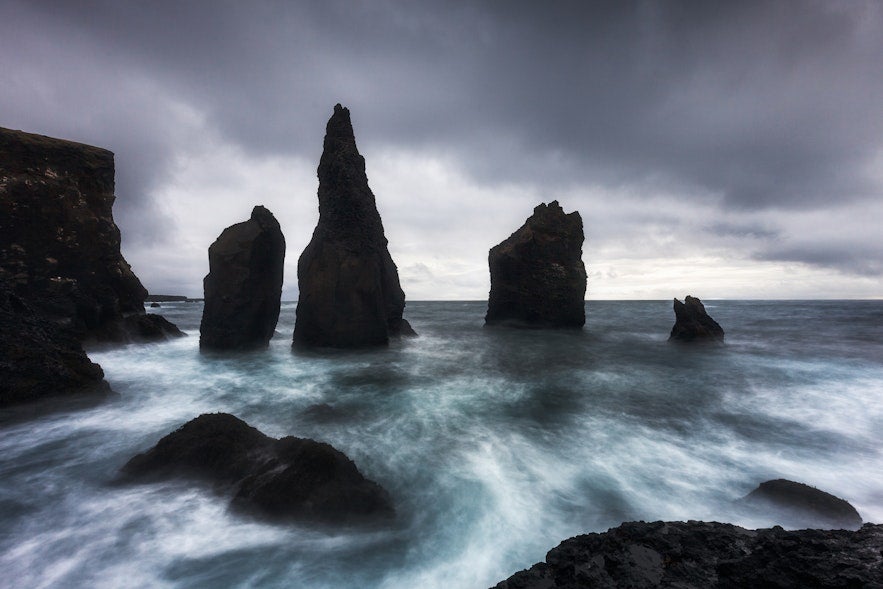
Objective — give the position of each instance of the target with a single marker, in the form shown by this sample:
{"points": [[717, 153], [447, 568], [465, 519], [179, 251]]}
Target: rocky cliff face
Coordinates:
{"points": [[350, 294], [59, 245], [692, 323], [538, 278], [701, 555], [243, 288], [38, 359]]}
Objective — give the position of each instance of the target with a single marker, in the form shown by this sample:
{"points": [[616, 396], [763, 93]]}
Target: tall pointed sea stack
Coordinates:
{"points": [[538, 278], [243, 288], [350, 295]]}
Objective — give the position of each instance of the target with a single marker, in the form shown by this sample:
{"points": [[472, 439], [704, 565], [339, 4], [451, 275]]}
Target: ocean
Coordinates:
{"points": [[495, 444]]}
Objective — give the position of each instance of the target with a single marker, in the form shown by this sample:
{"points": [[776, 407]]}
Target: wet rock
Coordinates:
{"points": [[799, 505], [38, 359], [59, 245], [150, 328], [243, 289], [350, 294], [286, 478], [705, 555], [692, 323], [538, 278], [155, 305]]}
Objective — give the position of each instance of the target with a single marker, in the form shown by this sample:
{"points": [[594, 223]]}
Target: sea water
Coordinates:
{"points": [[495, 444]]}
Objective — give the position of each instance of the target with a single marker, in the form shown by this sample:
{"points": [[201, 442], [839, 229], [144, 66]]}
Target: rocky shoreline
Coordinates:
{"points": [[699, 555]]}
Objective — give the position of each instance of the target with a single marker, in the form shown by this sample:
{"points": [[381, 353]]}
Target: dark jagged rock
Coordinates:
{"points": [[286, 478], [243, 289], [800, 505], [350, 294], [59, 245], [38, 359], [692, 323], [538, 278], [150, 328], [704, 555]]}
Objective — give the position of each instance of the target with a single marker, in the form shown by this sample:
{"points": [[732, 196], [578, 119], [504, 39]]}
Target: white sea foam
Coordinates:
{"points": [[494, 444]]}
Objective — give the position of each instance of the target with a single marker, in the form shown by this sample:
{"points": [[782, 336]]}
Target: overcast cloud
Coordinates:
{"points": [[726, 149]]}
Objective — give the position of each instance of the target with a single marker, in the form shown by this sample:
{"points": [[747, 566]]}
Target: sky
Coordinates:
{"points": [[719, 149]]}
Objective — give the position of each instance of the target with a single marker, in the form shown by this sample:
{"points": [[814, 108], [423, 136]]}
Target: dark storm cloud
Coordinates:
{"points": [[753, 105]]}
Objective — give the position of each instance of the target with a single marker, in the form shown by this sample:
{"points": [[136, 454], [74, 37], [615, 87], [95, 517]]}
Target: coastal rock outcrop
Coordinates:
{"points": [[59, 245], [800, 505], [243, 289], [692, 323], [38, 359], [704, 555], [350, 294], [538, 278], [292, 478]]}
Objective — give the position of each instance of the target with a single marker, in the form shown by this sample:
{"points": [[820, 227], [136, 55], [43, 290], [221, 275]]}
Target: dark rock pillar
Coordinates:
{"points": [[243, 288], [692, 323], [350, 294], [538, 278]]}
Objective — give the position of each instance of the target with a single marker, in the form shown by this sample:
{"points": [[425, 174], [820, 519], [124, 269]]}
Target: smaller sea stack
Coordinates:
{"points": [[350, 296], [538, 278], [692, 323], [243, 289]]}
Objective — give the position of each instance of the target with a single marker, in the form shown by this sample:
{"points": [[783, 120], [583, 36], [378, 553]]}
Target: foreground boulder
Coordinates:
{"points": [[286, 478], [59, 245], [350, 294], [243, 289], [38, 359], [538, 278], [799, 505], [692, 323], [701, 555]]}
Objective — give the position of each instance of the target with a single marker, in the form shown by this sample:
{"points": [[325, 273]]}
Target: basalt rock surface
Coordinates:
{"points": [[800, 505], [289, 478], [704, 555], [538, 278], [243, 289], [350, 295], [692, 323], [59, 245], [38, 359]]}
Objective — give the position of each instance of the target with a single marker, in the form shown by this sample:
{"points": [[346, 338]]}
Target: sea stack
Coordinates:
{"points": [[59, 245], [692, 323], [243, 289], [350, 296], [538, 278]]}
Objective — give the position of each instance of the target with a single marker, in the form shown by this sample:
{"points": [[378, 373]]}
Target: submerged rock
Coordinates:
{"points": [[38, 359], [243, 289], [286, 478], [350, 294], [537, 275], [59, 245], [692, 323], [703, 555], [800, 505]]}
